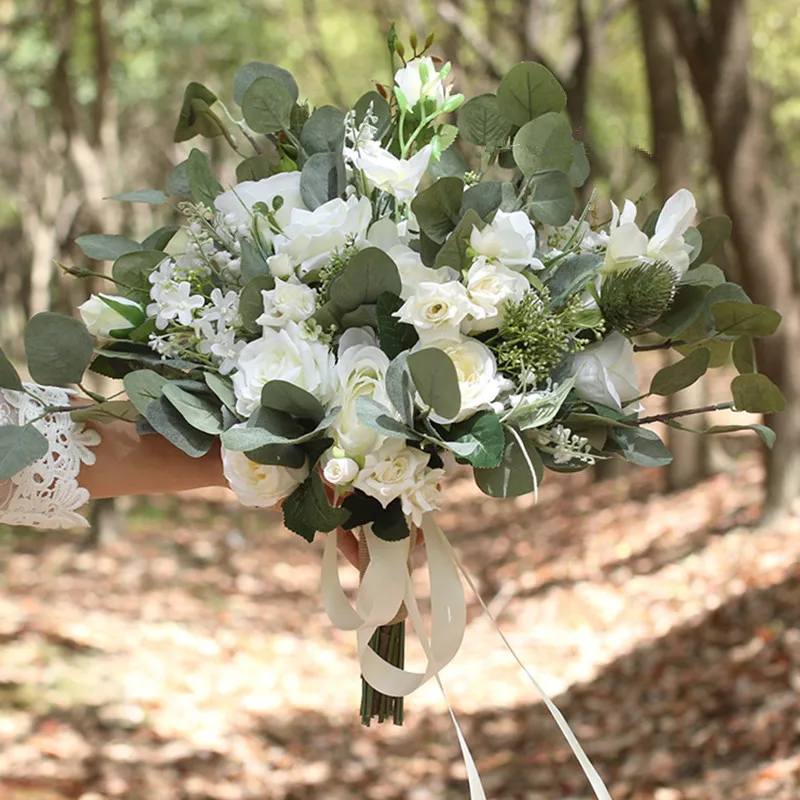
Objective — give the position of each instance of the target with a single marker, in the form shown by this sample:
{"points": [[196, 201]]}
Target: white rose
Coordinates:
{"points": [[424, 496], [510, 238], [476, 368], [260, 485], [280, 266], [289, 301], [419, 80], [413, 272], [393, 470], [100, 318], [397, 176], [667, 243], [605, 374], [361, 372], [289, 354], [236, 205], [311, 237], [436, 309], [340, 471], [490, 287]]}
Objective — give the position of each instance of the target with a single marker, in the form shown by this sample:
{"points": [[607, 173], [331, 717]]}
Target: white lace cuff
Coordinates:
{"points": [[46, 494]]}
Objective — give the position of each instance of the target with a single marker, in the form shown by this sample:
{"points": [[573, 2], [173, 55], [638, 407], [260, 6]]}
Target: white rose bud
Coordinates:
{"points": [[391, 472], [340, 471], [100, 318]]}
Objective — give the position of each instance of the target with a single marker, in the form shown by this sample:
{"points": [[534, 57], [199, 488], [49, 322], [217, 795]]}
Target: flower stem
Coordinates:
{"points": [[389, 643], [685, 413]]}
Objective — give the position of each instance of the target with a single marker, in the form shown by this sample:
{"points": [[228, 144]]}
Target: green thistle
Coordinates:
{"points": [[633, 299], [535, 337]]}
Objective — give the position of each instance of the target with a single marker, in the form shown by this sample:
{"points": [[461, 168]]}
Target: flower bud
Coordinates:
{"points": [[340, 471]]}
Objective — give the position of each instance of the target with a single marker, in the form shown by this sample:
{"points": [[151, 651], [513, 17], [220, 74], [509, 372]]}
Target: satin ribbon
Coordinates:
{"points": [[387, 584]]}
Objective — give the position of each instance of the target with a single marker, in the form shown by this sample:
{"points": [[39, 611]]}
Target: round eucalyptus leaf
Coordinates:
{"points": [[319, 179], [324, 131], [20, 446], [58, 349], [480, 121], [267, 105], [133, 269], [757, 394], [436, 380], [249, 73], [528, 91], [553, 199], [544, 144], [370, 273]]}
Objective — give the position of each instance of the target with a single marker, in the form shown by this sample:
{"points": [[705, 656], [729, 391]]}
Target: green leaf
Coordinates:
{"points": [[20, 446], [203, 185], [483, 436], [249, 73], [196, 116], [58, 349], [581, 169], [133, 269], [715, 232], [480, 122], [222, 388], [443, 139], [319, 179], [400, 388], [133, 314], [379, 108], [436, 380], [572, 273], [154, 197], [106, 247], [251, 302], [166, 420], [9, 377], [553, 199], [767, 435], [674, 377], [198, 411], [378, 418], [369, 274], [178, 181], [687, 306], [528, 91], [512, 477], [267, 105], [363, 317], [324, 131], [159, 239], [642, 447], [454, 251], [451, 164], [734, 317], [726, 291], [106, 412], [307, 509], [254, 168], [438, 207], [485, 198], [395, 336], [757, 394], [543, 145], [744, 355], [542, 409], [143, 387], [290, 399], [704, 275], [694, 239], [390, 523], [254, 264]]}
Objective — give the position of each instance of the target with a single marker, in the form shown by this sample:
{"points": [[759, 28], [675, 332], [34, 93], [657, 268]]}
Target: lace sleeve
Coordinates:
{"points": [[46, 494]]}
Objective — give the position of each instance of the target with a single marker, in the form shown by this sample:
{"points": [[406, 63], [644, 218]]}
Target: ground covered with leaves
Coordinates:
{"points": [[191, 658]]}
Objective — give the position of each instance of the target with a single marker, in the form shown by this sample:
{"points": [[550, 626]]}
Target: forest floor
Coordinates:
{"points": [[190, 658]]}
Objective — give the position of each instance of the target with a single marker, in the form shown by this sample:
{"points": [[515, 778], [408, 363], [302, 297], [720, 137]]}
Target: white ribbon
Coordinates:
{"points": [[385, 586]]}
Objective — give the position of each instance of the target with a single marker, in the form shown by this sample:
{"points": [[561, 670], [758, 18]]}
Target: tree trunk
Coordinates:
{"points": [[671, 159], [716, 46]]}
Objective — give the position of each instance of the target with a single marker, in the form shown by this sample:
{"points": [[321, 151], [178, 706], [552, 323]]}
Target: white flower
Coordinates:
{"points": [[289, 301], [220, 342], [340, 471], [605, 374], [225, 308], [280, 266], [174, 301], [236, 205], [436, 309], [510, 238], [490, 286], [290, 355], [391, 471], [413, 272], [476, 368], [425, 495], [260, 485], [667, 243], [310, 237], [361, 371], [397, 176], [419, 81], [100, 318]]}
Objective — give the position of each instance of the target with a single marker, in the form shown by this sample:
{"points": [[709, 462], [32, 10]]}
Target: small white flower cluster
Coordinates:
{"points": [[564, 445]]}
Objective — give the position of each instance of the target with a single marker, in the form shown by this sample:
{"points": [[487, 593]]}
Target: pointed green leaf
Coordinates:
{"points": [[153, 197], [483, 437], [222, 388], [251, 301], [196, 117], [107, 412], [106, 247], [744, 355], [159, 239], [378, 418], [9, 377], [400, 388], [395, 336], [390, 523], [642, 447], [512, 477], [203, 185], [308, 510], [143, 387], [20, 446], [166, 420], [454, 251], [674, 377], [198, 411]]}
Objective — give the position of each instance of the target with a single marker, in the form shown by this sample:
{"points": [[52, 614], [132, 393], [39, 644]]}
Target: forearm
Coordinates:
{"points": [[128, 464]]}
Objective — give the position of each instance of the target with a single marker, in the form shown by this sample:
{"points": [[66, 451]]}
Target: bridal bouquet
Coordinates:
{"points": [[386, 290]]}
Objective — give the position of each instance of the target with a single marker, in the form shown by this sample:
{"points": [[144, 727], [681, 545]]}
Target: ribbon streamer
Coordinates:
{"points": [[387, 584]]}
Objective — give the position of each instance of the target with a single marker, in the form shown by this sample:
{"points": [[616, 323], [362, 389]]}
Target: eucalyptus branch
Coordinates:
{"points": [[84, 272], [685, 413], [644, 348]]}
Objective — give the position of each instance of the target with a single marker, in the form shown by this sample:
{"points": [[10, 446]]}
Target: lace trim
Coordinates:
{"points": [[46, 494]]}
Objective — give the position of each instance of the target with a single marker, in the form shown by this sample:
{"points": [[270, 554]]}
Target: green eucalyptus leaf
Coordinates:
{"points": [[292, 400], [726, 291], [249, 73], [572, 273], [686, 308], [251, 301], [512, 477], [254, 168], [166, 420], [378, 418], [454, 251], [143, 387], [694, 239], [767, 435], [684, 373], [375, 104], [196, 117], [254, 264], [178, 181], [734, 317], [267, 105], [484, 197], [160, 238], [438, 208], [365, 316], [642, 447], [400, 387], [9, 377], [20, 446], [203, 185], [133, 270], [58, 349], [744, 355], [704, 275], [715, 232], [395, 337], [483, 435], [480, 122], [320, 179], [581, 169], [451, 164], [757, 394], [369, 274], [541, 408], [106, 247], [543, 145], [307, 509], [528, 91], [200, 412], [324, 131], [107, 412], [222, 388], [436, 380], [153, 197], [553, 199]]}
